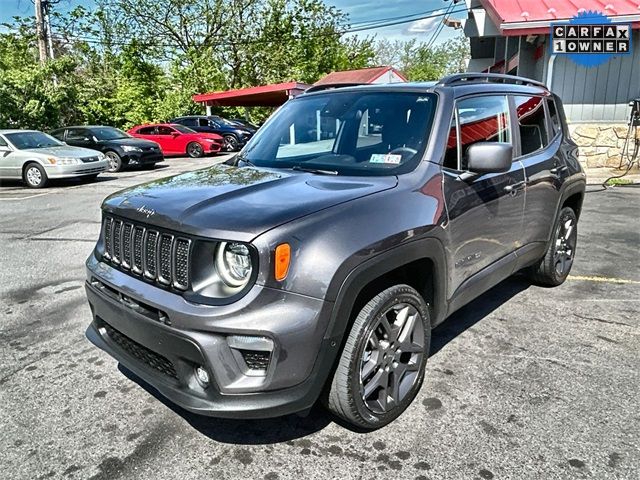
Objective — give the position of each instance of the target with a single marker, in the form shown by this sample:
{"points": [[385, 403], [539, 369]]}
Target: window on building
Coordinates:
{"points": [[553, 116], [531, 123], [482, 119]]}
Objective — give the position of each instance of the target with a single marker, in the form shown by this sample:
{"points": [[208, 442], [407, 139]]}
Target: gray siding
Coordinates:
{"points": [[598, 94]]}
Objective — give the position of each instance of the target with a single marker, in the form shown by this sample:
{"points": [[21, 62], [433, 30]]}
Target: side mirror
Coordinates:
{"points": [[4, 150], [175, 134], [489, 157]]}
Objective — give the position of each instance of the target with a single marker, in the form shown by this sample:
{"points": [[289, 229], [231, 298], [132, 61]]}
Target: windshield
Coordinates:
{"points": [[27, 140], [108, 133], [183, 129], [351, 133]]}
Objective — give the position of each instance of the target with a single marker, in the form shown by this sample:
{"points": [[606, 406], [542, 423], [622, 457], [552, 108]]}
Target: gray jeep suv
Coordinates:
{"points": [[316, 264]]}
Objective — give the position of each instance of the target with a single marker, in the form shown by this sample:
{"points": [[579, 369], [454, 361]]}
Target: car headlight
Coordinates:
{"points": [[129, 148], [64, 161], [233, 263]]}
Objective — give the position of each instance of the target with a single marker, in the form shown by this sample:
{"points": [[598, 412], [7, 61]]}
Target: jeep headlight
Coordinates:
{"points": [[233, 263], [129, 148]]}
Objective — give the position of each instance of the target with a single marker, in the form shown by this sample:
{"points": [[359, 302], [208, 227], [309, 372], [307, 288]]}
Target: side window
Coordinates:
{"points": [[203, 122], [59, 134], [483, 119], [554, 117], [165, 131], [77, 134], [147, 131], [189, 122], [531, 123], [451, 154], [3, 142]]}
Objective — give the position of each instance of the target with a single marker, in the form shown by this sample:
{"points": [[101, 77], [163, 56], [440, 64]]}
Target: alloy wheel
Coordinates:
{"points": [[565, 247], [113, 161], [195, 150], [230, 143], [391, 358], [34, 177]]}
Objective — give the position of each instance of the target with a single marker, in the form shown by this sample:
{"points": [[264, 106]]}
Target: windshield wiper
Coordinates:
{"points": [[316, 171]]}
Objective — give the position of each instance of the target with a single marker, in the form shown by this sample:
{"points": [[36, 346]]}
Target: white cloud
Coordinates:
{"points": [[425, 25]]}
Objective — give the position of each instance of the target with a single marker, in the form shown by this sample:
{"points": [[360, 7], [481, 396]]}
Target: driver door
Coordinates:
{"points": [[10, 166], [485, 211]]}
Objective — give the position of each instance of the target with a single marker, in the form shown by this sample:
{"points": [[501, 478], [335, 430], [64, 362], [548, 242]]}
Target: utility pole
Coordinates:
{"points": [[40, 33]]}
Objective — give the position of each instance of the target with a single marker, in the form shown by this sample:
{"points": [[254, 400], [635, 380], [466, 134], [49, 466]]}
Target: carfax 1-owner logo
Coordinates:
{"points": [[591, 39]]}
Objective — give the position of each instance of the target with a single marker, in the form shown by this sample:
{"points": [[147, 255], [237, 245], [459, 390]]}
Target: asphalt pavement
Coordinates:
{"points": [[524, 383]]}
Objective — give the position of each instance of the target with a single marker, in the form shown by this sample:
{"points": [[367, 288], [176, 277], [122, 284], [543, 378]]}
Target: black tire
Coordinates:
{"points": [[115, 162], [370, 360], [195, 150], [34, 176], [553, 269], [231, 143]]}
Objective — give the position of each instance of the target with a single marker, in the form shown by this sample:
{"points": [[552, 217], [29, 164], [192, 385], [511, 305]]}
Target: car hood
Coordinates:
{"points": [[235, 203], [212, 136], [133, 142], [62, 151]]}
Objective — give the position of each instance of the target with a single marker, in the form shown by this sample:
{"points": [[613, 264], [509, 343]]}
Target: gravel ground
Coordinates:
{"points": [[525, 382]]}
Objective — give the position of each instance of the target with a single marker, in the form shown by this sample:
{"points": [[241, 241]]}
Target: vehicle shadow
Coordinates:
{"points": [[290, 427]]}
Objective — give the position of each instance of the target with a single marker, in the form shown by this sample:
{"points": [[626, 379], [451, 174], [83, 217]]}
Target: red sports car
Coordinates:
{"points": [[178, 139]]}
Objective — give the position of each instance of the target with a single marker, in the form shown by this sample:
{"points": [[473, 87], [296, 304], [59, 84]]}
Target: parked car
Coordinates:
{"points": [[121, 150], [36, 158], [177, 139], [235, 137], [320, 262]]}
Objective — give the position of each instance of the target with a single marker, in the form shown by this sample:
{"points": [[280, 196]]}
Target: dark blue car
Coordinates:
{"points": [[235, 136]]}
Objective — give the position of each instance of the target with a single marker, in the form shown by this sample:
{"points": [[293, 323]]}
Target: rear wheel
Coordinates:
{"points": [[115, 162], [383, 361], [195, 150], [230, 143], [553, 269], [35, 176]]}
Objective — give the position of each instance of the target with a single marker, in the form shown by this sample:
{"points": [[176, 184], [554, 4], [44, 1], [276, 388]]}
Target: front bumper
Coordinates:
{"points": [[144, 158], [70, 171], [162, 338]]}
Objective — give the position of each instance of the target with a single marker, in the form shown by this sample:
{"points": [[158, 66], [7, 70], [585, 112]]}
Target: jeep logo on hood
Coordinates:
{"points": [[146, 211]]}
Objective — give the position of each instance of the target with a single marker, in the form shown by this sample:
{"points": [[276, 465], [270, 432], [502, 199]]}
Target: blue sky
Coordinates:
{"points": [[359, 11]]}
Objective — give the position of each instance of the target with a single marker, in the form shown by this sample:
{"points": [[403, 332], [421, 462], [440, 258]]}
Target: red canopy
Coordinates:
{"points": [[265, 96], [523, 17]]}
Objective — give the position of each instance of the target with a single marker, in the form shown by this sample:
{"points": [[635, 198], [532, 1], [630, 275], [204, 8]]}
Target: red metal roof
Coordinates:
{"points": [[522, 17], [364, 75], [265, 96]]}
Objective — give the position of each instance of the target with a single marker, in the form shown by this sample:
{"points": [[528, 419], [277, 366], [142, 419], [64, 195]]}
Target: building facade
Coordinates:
{"points": [[513, 36]]}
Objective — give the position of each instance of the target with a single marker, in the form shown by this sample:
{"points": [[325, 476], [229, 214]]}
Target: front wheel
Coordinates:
{"points": [[230, 143], [35, 176], [383, 361], [553, 269], [195, 150], [115, 162]]}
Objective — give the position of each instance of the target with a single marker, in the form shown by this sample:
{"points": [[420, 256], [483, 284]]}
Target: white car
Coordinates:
{"points": [[36, 157]]}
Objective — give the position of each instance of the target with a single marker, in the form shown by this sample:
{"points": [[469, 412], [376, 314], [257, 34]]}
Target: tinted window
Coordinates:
{"points": [[147, 131], [3, 143], [451, 154], [165, 131], [108, 133], [554, 117], [531, 123], [59, 134], [483, 119], [190, 122], [78, 134], [203, 122], [353, 133]]}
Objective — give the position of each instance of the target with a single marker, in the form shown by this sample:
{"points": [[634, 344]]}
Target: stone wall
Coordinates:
{"points": [[600, 143]]}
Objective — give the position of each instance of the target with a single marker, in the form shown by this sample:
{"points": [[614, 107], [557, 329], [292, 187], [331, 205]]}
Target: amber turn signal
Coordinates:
{"points": [[283, 257]]}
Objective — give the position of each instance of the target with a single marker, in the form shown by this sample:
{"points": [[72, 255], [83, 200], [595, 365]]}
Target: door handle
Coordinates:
{"points": [[515, 187]]}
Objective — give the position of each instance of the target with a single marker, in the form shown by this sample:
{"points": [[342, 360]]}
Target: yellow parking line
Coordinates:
{"points": [[585, 278]]}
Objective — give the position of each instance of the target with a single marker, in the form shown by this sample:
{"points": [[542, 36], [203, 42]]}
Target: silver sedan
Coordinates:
{"points": [[36, 157]]}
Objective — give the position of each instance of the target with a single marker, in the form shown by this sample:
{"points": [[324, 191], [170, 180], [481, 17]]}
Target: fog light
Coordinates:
{"points": [[202, 375]]}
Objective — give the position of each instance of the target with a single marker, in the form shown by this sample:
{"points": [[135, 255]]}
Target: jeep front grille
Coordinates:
{"points": [[157, 256]]}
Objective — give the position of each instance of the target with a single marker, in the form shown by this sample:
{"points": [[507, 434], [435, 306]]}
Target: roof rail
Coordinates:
{"points": [[488, 77], [328, 86]]}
